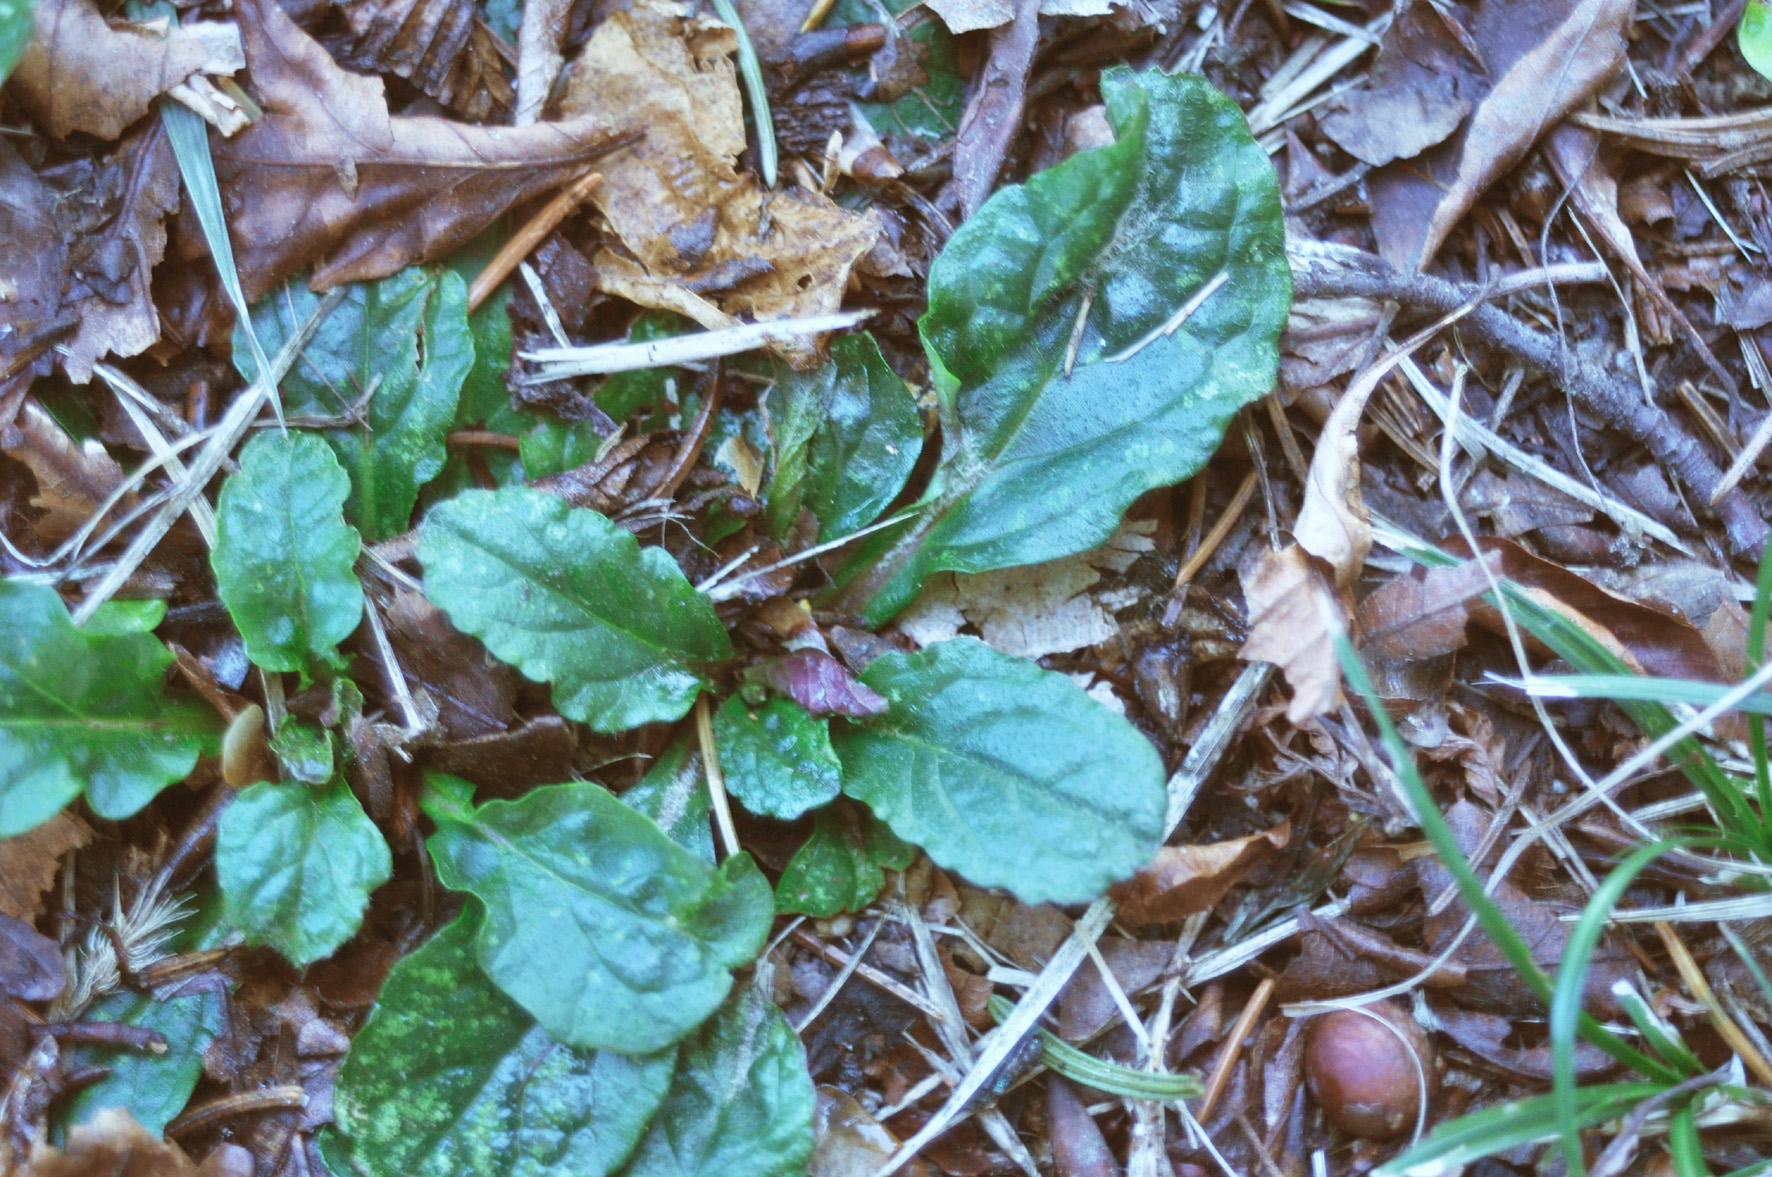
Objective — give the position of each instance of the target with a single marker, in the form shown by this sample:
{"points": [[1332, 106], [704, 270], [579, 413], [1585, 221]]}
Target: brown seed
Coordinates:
{"points": [[1362, 1073]]}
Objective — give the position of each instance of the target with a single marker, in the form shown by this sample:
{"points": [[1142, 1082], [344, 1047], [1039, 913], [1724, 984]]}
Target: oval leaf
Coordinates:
{"points": [[1007, 773], [82, 709], [569, 598], [365, 368], [154, 1087], [609, 933], [297, 866], [283, 553], [840, 868], [777, 759], [1163, 257], [740, 1104], [494, 1094]]}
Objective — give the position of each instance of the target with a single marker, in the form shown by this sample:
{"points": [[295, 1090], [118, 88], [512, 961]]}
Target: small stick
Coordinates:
{"points": [[1214, 538], [285, 1097], [867, 972], [1719, 1017], [529, 236], [1221, 1074], [485, 437], [704, 732]]}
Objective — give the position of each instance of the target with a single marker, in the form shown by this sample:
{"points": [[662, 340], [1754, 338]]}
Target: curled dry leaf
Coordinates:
{"points": [[73, 477], [1290, 607], [83, 73], [29, 862], [115, 1145], [1183, 880], [440, 46], [329, 178], [703, 240], [849, 1141]]}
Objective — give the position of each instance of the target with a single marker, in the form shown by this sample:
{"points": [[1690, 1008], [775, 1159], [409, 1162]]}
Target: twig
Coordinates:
{"points": [[528, 237], [1226, 521], [867, 972], [697, 436], [559, 363], [1719, 1017], [1233, 1047], [1322, 270], [710, 759]]}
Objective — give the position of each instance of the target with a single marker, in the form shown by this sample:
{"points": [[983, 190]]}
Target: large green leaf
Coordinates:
{"points": [[16, 20], [154, 1087], [841, 867], [405, 339], [449, 1076], [84, 710], [283, 553], [674, 793], [1007, 773], [777, 759], [612, 935], [1038, 464], [740, 1104], [297, 866], [569, 598], [847, 434]]}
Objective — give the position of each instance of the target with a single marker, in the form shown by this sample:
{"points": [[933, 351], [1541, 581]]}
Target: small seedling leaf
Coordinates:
{"points": [[777, 759]]}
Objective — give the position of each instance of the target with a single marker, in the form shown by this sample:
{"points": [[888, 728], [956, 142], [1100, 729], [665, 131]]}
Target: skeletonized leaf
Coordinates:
{"points": [[365, 369], [492, 1094], [1007, 773], [297, 866], [1164, 257], [569, 598], [740, 1104], [283, 553], [81, 710], [612, 935]]}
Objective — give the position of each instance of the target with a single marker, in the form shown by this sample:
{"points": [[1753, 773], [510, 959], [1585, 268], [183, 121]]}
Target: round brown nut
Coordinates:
{"points": [[1362, 1073]]}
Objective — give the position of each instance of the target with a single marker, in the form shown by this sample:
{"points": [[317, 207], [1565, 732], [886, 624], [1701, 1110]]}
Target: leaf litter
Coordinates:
{"points": [[707, 746]]}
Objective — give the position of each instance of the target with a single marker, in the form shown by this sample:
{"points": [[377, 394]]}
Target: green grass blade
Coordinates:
{"points": [[1756, 657], [1565, 1007], [1082, 1067], [1661, 1036], [1637, 688], [1470, 887], [1683, 1143], [750, 68], [1508, 1125]]}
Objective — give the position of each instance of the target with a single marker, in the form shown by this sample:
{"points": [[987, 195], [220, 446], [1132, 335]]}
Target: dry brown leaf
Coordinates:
{"points": [[73, 478], [1537, 84], [1183, 880], [848, 1142], [1289, 609], [1519, 504], [440, 46], [328, 178], [82, 73], [539, 55], [1421, 614], [967, 16], [1421, 86], [114, 1145], [703, 241], [29, 861]]}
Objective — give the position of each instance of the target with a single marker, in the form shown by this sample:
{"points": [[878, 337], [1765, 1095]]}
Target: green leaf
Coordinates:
{"points": [[491, 1094], [569, 598], [740, 1104], [306, 753], [84, 710], [283, 553], [932, 108], [484, 392], [644, 389], [1007, 773], [846, 440], [840, 868], [1452, 1145], [1755, 36], [674, 794], [15, 33], [297, 866], [154, 1087], [123, 617], [612, 935], [394, 443], [777, 759], [555, 446], [1038, 465]]}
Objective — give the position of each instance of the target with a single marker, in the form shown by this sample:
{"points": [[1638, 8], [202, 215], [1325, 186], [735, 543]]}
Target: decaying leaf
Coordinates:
{"points": [[703, 240], [115, 1145], [329, 178], [847, 1141], [84, 73], [440, 46], [73, 478], [29, 862], [1420, 88], [1183, 880], [1423, 613], [1289, 607]]}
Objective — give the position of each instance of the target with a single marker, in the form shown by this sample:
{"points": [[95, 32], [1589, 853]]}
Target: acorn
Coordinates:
{"points": [[1362, 1066]]}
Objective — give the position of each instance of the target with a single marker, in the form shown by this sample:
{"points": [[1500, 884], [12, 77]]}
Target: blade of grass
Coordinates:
{"points": [[1565, 1006], [1683, 1144], [1756, 656], [1508, 1125], [750, 68], [1635, 688], [1493, 920], [1661, 1036]]}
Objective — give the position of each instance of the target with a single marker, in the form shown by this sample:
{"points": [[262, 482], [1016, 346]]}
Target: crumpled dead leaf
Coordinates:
{"points": [[84, 73], [702, 239], [848, 1142], [329, 178], [1422, 84], [1421, 614], [440, 46], [967, 16], [115, 1145], [73, 478], [29, 862], [78, 245], [1290, 606], [1183, 880]]}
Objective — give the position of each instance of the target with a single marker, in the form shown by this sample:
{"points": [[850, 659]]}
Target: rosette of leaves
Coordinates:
{"points": [[1091, 333]]}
